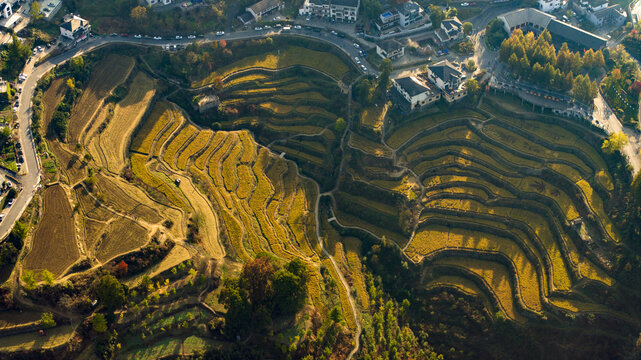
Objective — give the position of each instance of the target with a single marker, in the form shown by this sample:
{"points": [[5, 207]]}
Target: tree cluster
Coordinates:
{"points": [[622, 86], [262, 292], [374, 91], [535, 59], [495, 33], [13, 57]]}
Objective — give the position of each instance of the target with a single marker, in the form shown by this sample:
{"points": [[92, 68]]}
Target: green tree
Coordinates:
{"points": [[436, 15], [614, 142], [371, 8], [472, 86], [468, 28], [110, 292], [29, 279], [340, 125], [384, 78], [47, 320], [47, 277], [99, 323], [35, 10], [495, 33]]}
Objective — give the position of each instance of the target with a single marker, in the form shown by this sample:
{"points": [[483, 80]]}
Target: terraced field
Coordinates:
{"points": [[497, 200]]}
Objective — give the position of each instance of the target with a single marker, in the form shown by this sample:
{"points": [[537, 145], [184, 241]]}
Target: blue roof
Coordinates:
{"points": [[386, 14]]}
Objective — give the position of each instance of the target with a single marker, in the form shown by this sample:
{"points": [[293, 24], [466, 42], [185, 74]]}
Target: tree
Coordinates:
{"points": [[340, 125], [495, 33], [468, 28], [289, 292], [99, 323], [29, 279], [70, 84], [139, 13], [110, 292], [47, 320], [436, 15], [614, 142], [452, 12], [35, 10], [256, 278], [384, 78], [371, 8], [47, 277], [472, 86]]}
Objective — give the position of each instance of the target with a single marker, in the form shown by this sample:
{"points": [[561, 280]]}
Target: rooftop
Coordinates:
{"points": [[73, 23], [264, 5], [451, 24], [413, 86], [445, 70], [390, 45]]}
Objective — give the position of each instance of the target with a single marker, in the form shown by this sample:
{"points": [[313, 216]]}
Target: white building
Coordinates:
{"points": [[402, 15], [390, 49], [74, 26], [337, 10], [449, 79], [259, 9], [450, 30], [162, 2], [416, 91], [552, 5], [535, 20], [5, 9]]}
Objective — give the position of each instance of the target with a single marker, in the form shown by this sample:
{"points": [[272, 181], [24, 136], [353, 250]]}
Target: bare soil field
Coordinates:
{"points": [[54, 244]]}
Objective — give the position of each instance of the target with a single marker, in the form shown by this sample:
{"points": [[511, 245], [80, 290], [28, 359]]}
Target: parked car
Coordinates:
{"points": [[364, 67], [465, 4], [334, 32], [1, 217], [138, 36], [258, 28], [178, 37], [298, 27], [191, 37], [357, 46], [157, 38], [220, 33], [285, 28], [10, 202]]}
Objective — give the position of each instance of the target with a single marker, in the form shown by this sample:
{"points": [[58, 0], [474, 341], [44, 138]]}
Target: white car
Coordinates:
{"points": [[465, 4], [178, 37], [287, 27], [220, 33], [138, 36], [298, 27], [357, 46], [10, 202], [364, 67], [267, 27], [334, 32], [258, 28], [157, 38], [191, 37]]}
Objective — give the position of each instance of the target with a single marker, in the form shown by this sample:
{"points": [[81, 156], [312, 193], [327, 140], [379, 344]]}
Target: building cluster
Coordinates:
{"points": [[601, 12], [402, 16], [597, 12], [535, 20], [442, 80], [336, 10]]}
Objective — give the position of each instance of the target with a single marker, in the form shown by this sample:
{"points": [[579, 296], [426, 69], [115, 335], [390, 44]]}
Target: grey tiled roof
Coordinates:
{"points": [[410, 86], [445, 71], [390, 45], [576, 35]]}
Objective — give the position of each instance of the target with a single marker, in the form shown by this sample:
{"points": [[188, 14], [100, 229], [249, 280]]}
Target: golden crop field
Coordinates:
{"points": [[158, 123], [110, 72], [177, 143], [127, 115]]}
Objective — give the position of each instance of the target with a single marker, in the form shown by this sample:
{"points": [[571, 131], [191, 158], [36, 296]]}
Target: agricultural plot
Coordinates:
{"points": [[109, 73], [493, 187], [127, 115], [284, 58], [53, 246], [50, 100], [112, 245]]}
